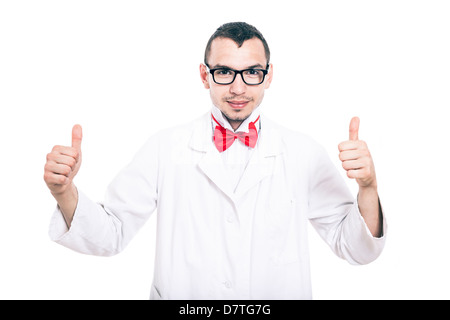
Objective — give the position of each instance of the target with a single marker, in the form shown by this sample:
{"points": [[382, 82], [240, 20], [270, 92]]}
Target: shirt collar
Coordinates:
{"points": [[244, 125], [270, 142]]}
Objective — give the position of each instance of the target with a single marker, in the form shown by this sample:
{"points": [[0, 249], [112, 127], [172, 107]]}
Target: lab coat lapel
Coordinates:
{"points": [[212, 166], [262, 161], [211, 163]]}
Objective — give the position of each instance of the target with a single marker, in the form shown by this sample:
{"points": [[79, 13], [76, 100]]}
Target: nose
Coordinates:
{"points": [[238, 86]]}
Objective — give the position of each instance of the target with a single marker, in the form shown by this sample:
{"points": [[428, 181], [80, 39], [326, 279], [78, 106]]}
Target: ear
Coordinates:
{"points": [[269, 77], [204, 75]]}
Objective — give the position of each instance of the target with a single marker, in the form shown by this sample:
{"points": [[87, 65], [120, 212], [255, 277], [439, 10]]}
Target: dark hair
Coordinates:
{"points": [[239, 32]]}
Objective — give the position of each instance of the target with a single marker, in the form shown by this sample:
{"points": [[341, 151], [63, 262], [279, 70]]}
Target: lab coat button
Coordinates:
{"points": [[227, 284], [230, 219]]}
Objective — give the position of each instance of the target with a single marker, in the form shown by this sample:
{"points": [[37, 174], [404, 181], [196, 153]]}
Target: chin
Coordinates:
{"points": [[237, 115]]}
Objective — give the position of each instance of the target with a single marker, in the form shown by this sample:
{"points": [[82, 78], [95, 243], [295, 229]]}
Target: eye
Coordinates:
{"points": [[253, 72], [223, 72]]}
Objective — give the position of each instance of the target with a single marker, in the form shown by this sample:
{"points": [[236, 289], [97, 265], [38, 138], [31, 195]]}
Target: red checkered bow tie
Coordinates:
{"points": [[224, 138]]}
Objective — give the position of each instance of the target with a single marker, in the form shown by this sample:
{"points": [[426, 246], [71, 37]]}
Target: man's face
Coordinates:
{"points": [[236, 100]]}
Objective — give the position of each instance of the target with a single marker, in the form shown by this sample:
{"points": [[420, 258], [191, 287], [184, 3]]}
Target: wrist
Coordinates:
{"points": [[370, 209], [67, 203], [69, 193], [370, 187]]}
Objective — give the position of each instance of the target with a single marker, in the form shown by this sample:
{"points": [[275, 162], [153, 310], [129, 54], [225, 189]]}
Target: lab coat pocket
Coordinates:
{"points": [[280, 213]]}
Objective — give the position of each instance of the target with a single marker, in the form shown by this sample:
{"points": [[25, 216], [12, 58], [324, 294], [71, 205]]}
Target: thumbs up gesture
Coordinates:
{"points": [[63, 164], [356, 158]]}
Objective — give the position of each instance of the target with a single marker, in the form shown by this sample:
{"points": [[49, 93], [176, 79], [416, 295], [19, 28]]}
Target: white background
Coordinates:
{"points": [[126, 69]]}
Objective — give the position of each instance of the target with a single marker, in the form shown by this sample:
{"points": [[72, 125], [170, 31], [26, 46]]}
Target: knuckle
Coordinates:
{"points": [[51, 156], [72, 162], [61, 179], [66, 170]]}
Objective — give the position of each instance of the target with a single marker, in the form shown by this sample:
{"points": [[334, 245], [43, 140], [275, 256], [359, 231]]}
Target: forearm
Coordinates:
{"points": [[93, 231], [67, 202], [369, 207]]}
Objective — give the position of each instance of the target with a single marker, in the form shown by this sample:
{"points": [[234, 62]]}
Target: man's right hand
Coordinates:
{"points": [[61, 167]]}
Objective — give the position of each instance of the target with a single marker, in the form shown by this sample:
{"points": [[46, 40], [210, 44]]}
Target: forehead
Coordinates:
{"points": [[226, 52]]}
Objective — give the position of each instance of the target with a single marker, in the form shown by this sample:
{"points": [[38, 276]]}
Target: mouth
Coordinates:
{"points": [[236, 104]]}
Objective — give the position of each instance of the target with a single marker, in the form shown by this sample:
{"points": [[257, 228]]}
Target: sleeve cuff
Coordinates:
{"points": [[363, 248], [83, 236]]}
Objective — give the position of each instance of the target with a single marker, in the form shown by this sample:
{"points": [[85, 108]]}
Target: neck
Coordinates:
{"points": [[235, 124]]}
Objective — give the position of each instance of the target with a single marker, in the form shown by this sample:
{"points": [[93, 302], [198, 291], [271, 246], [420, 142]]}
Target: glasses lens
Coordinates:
{"points": [[224, 76], [253, 76]]}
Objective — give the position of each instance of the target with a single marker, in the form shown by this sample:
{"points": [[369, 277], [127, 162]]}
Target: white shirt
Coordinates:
{"points": [[219, 242], [235, 158]]}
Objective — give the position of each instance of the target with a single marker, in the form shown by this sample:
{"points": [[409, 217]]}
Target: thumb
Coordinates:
{"points": [[77, 136], [354, 128]]}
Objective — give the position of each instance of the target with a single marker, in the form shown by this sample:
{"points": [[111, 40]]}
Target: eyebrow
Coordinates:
{"points": [[255, 66]]}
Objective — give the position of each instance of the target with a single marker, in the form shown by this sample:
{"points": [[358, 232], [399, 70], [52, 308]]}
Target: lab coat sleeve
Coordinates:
{"points": [[104, 229], [334, 213]]}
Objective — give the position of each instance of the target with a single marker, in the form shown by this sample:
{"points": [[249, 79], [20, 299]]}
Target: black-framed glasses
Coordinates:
{"points": [[251, 77]]}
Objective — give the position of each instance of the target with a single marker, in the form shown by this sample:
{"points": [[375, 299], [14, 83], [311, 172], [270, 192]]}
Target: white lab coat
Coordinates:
{"points": [[217, 242]]}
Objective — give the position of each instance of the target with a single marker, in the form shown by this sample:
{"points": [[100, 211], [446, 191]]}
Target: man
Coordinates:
{"points": [[234, 192]]}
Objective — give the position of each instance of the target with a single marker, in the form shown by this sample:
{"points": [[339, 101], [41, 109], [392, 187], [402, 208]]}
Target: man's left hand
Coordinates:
{"points": [[356, 158]]}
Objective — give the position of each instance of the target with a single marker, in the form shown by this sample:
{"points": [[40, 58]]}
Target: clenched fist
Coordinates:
{"points": [[356, 158], [63, 164]]}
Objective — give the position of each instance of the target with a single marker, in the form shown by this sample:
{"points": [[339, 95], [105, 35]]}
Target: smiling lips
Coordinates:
{"points": [[235, 104]]}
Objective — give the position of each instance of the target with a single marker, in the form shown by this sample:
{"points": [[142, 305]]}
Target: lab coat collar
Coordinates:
{"points": [[260, 165]]}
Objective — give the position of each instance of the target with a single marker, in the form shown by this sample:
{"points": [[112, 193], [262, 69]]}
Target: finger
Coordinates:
{"points": [[51, 178], [56, 168], [349, 145], [354, 128], [352, 165], [68, 151], [353, 174], [362, 174], [77, 136], [349, 155], [62, 159]]}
